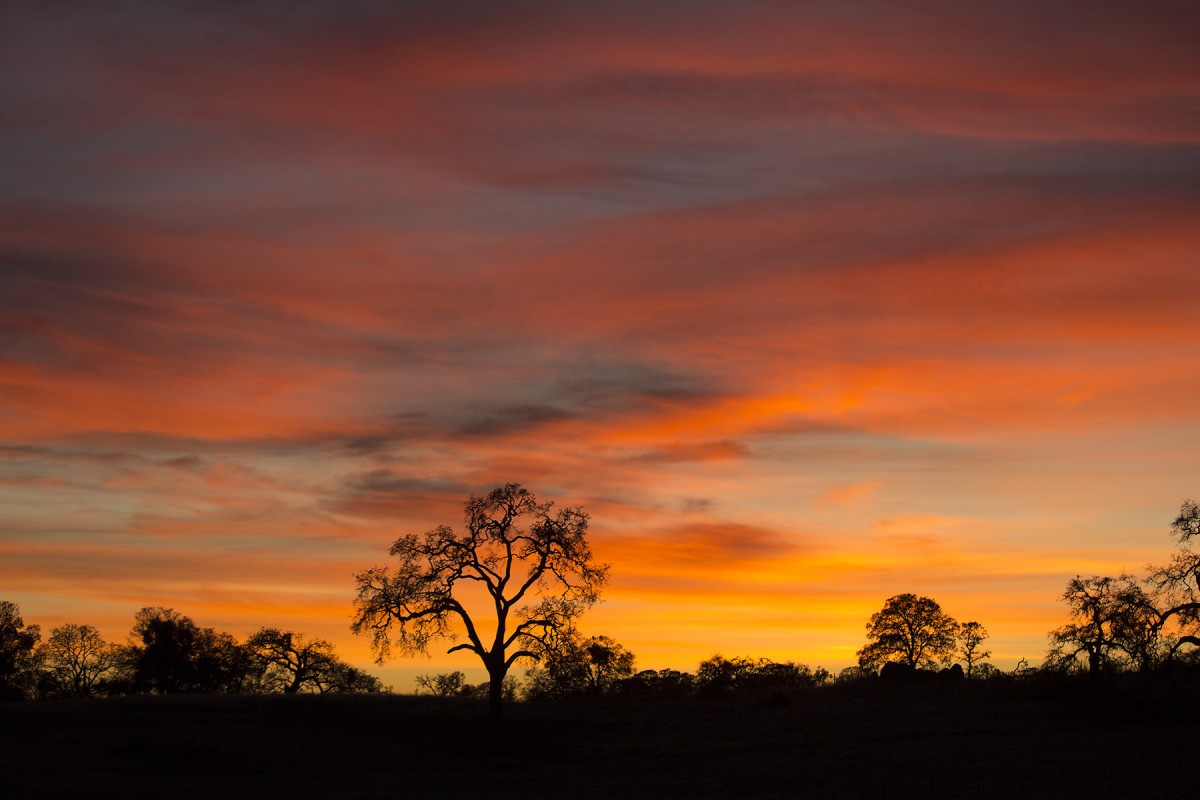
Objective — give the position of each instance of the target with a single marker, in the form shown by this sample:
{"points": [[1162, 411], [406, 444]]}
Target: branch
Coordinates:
{"points": [[508, 662]]}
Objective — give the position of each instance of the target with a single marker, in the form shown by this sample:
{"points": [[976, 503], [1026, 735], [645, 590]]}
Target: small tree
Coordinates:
{"points": [[534, 566], [78, 658], [18, 654], [909, 629], [971, 636]]}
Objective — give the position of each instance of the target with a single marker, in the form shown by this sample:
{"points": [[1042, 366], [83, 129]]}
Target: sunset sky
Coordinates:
{"points": [[807, 303]]}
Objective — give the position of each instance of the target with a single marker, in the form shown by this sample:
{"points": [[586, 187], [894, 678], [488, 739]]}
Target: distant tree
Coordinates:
{"points": [[985, 670], [719, 674], [18, 654], [289, 662], [446, 684], [670, 682], [535, 567], [342, 678], [1112, 627], [971, 636], [169, 653], [222, 665], [78, 659], [852, 674], [910, 629], [575, 666]]}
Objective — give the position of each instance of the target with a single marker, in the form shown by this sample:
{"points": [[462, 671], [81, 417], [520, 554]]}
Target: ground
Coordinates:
{"points": [[870, 741]]}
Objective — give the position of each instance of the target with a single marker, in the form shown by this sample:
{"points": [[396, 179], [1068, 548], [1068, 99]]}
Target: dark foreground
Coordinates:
{"points": [[1015, 741]]}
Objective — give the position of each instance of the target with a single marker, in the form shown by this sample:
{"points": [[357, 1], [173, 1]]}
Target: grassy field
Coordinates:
{"points": [[868, 741]]}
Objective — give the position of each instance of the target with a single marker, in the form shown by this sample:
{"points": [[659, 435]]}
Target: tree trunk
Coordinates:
{"points": [[496, 694]]}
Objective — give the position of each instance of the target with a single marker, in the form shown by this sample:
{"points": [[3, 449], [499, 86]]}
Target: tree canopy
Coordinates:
{"points": [[533, 564], [78, 658], [574, 666], [910, 629], [18, 656]]}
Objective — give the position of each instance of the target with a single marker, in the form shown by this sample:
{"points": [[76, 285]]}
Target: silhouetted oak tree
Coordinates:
{"points": [[1112, 626], [534, 566], [909, 629], [288, 661], [78, 658]]}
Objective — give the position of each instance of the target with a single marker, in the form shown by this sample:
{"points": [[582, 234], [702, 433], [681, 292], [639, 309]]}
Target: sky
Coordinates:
{"points": [[808, 304]]}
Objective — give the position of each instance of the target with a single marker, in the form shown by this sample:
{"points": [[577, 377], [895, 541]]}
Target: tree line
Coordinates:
{"points": [[166, 653], [533, 569], [537, 570]]}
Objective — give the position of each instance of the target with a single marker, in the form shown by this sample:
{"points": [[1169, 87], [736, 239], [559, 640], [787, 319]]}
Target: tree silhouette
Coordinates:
{"points": [[535, 569], [1113, 626], [971, 636], [719, 674], [573, 666], [18, 656], [1177, 584], [169, 653], [446, 684], [909, 629], [346, 679], [78, 658], [289, 662]]}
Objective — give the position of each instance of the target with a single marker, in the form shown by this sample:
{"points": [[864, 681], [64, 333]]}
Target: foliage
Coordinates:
{"points": [[342, 678], [851, 675], [1112, 627], [18, 654], [1176, 586], [446, 684], [534, 565], [169, 653], [720, 674], [288, 662], [573, 666], [78, 659], [669, 682], [910, 629]]}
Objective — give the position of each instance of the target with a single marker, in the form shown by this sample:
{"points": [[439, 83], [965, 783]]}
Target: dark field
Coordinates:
{"points": [[1009, 740]]}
